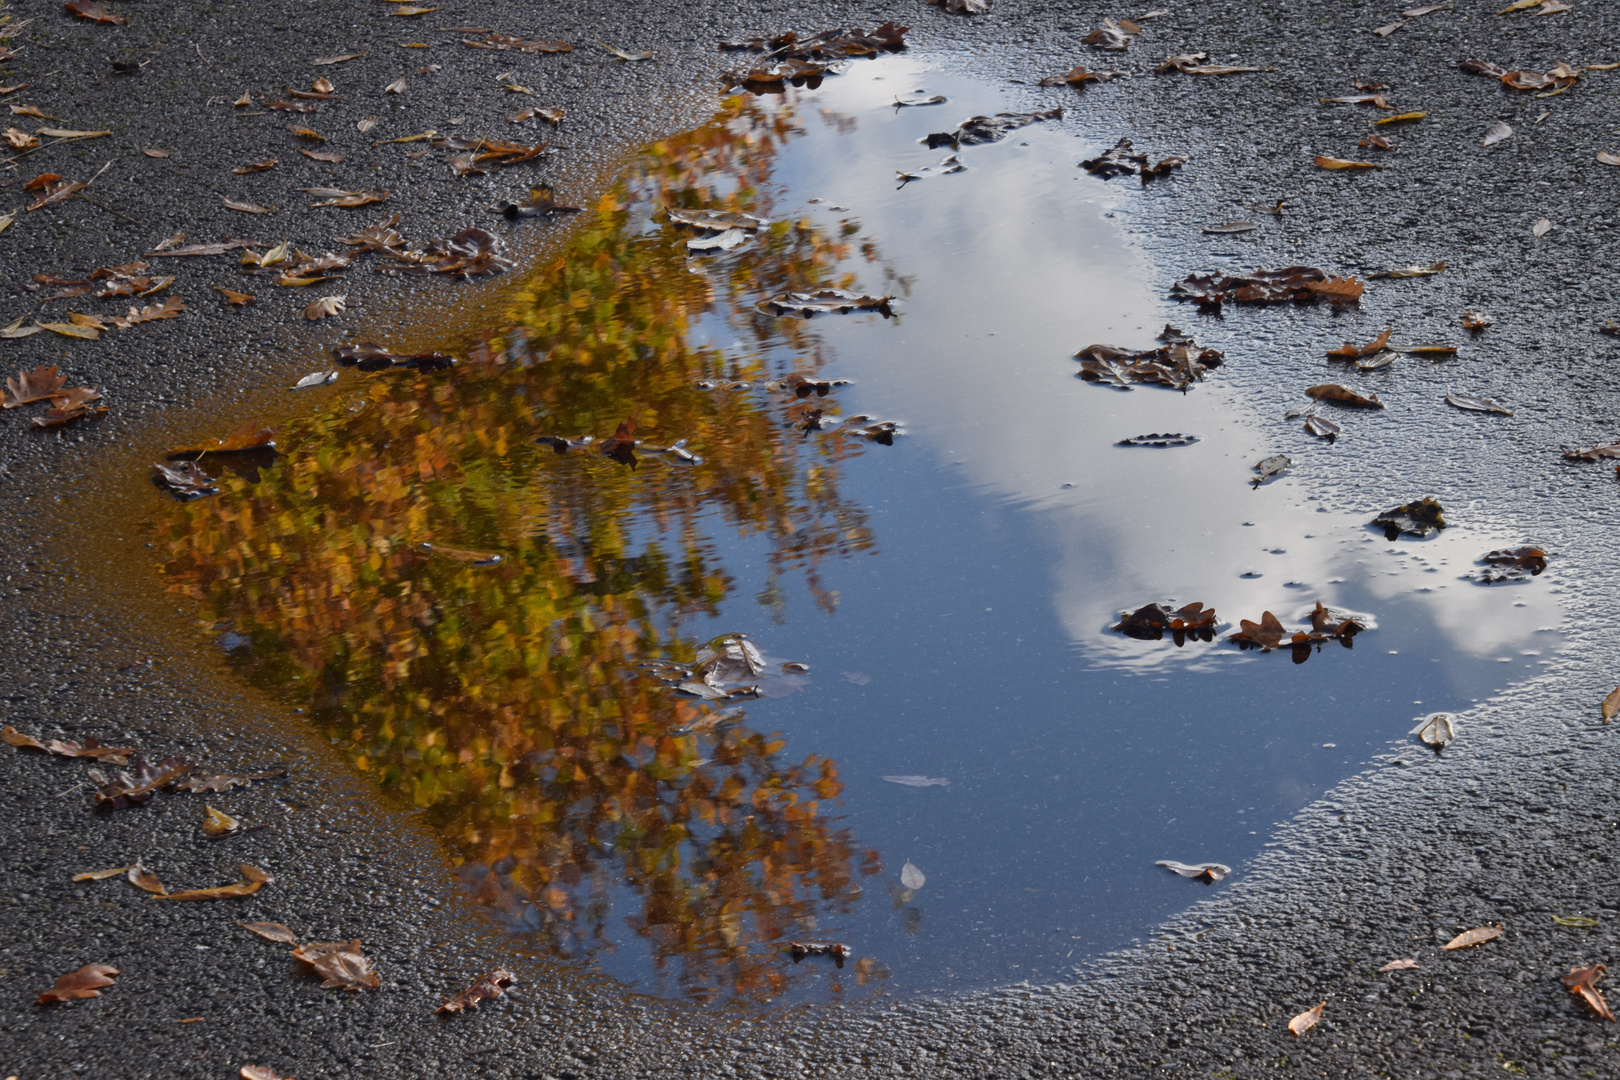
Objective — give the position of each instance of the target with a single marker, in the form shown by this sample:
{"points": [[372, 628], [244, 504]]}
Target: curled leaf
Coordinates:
{"points": [[87, 982], [490, 986], [1478, 936], [1335, 394], [339, 963], [1306, 1020], [217, 824], [1436, 730], [1406, 964], [252, 879], [1209, 873]]}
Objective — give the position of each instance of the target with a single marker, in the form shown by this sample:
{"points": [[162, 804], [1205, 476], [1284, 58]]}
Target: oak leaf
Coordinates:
{"points": [[1421, 519], [324, 307], [84, 983], [92, 747], [169, 309], [29, 386], [492, 985], [143, 779], [339, 963], [1582, 982], [142, 878]]}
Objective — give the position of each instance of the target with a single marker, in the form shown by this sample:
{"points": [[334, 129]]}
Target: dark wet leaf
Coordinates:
{"points": [[369, 356], [70, 405], [1229, 227], [827, 45], [95, 12], [88, 981], [252, 879], [91, 748], [621, 445], [1476, 936], [1513, 564], [1167, 438], [56, 191], [490, 986], [1265, 635], [976, 130], [1153, 621], [1476, 404], [270, 931], [1322, 427], [1209, 873], [1196, 63], [1269, 467], [835, 949], [184, 480], [339, 963], [1421, 519], [143, 779], [1594, 453], [1120, 160], [470, 253], [542, 203], [917, 781], [777, 77], [1327, 623], [1334, 394], [1077, 77], [1436, 730], [1300, 284], [825, 301], [1582, 982], [1178, 363], [1351, 351]]}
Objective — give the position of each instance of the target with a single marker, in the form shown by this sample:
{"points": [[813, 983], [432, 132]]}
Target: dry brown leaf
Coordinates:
{"points": [[1340, 290], [1343, 395], [339, 963], [1606, 158], [307, 133], [19, 139], [142, 878], [1306, 1020], [84, 983], [250, 436], [1582, 982], [324, 307], [1476, 320], [1323, 162], [169, 309], [58, 191], [236, 298], [1351, 351], [412, 9], [395, 87], [331, 157], [37, 385], [327, 61], [1400, 118], [246, 207], [102, 875], [217, 824], [1611, 705], [257, 166], [1399, 965], [252, 879], [492, 985], [95, 12], [322, 85], [338, 197], [1478, 936], [270, 931]]}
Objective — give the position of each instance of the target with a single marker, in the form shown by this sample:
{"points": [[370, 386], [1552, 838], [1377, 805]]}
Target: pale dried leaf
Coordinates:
{"points": [[1306, 1020], [1477, 936], [270, 931]]}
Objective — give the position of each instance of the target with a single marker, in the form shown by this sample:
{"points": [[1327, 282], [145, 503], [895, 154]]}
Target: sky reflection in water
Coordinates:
{"points": [[950, 592]]}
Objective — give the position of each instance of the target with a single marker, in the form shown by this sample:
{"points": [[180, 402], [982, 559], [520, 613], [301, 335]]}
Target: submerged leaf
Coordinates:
{"points": [[825, 301], [1436, 730], [1422, 519], [1209, 872], [910, 780]]}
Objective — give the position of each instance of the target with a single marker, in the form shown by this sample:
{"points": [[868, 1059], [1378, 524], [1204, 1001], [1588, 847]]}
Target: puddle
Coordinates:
{"points": [[950, 593]]}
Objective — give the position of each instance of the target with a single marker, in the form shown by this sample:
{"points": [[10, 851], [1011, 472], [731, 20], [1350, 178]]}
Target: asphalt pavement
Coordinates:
{"points": [[1512, 824]]}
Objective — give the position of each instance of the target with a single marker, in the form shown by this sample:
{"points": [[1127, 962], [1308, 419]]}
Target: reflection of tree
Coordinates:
{"points": [[505, 699]]}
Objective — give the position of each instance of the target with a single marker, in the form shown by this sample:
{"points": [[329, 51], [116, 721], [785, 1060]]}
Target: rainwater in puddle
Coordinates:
{"points": [[965, 708]]}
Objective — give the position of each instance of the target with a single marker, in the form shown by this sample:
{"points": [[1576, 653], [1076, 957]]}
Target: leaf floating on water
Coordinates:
{"points": [[1333, 163], [1421, 519], [490, 986], [1582, 982], [1167, 438], [90, 980], [1476, 404], [914, 102], [716, 220], [1306, 1020], [621, 445], [835, 949], [825, 301], [1478, 936], [909, 781], [977, 130], [1178, 363], [726, 241], [1269, 467], [252, 879], [1209, 872], [316, 378], [339, 963], [1334, 394], [92, 747], [1406, 964], [1231, 227], [1153, 621], [184, 480], [465, 556], [1436, 730], [217, 824], [911, 877], [1513, 564], [270, 931], [250, 436]]}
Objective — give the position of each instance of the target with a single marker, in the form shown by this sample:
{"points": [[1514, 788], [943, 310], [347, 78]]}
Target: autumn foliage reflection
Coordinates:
{"points": [[505, 700]]}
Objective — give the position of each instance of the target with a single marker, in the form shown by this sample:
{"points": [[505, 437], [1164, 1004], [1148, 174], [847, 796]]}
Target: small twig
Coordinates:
{"points": [[198, 47], [71, 790], [99, 171]]}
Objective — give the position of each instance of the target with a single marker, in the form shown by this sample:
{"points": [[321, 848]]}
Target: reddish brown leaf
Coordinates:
{"points": [[1267, 634], [36, 385], [1306, 1020], [621, 446], [1582, 982], [95, 12], [250, 436], [84, 983], [339, 963], [92, 747], [492, 985], [140, 783], [1351, 351], [169, 309], [252, 879], [1335, 394]]}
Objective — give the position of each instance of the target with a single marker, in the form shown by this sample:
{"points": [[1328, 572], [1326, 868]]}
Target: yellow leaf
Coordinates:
{"points": [[1400, 118], [1340, 163], [89, 333]]}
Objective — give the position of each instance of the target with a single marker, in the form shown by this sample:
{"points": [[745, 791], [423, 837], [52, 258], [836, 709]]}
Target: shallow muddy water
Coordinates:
{"points": [[950, 592]]}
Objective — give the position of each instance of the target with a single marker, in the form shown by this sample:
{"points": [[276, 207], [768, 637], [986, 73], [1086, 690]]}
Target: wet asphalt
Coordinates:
{"points": [[1514, 823]]}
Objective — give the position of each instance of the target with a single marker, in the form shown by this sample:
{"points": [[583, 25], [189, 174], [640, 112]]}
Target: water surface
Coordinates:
{"points": [[951, 593]]}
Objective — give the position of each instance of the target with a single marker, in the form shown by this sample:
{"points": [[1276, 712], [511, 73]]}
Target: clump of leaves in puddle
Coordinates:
{"points": [[977, 130], [1326, 625], [1122, 159], [1422, 519], [1177, 363], [541, 738], [1153, 621]]}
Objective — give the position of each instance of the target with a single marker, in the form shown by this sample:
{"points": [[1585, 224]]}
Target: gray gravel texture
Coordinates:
{"points": [[1514, 823]]}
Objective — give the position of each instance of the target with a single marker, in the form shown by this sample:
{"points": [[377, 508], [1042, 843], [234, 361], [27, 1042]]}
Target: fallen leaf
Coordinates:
{"points": [[1407, 964], [331, 157], [1476, 404], [246, 207], [1376, 142], [1227, 227], [1582, 982], [1110, 37], [1400, 118], [143, 879], [1160, 439], [977, 130], [412, 9], [1376, 100], [964, 7], [1351, 351], [261, 1072], [1343, 163], [365, 125], [1322, 427], [726, 241], [1335, 394], [824, 301], [1152, 621], [20, 140], [75, 329], [1196, 64], [1593, 453], [339, 963], [1476, 320], [316, 378], [1421, 519], [1611, 706], [1120, 160], [1496, 133], [1306, 1020], [1266, 468], [201, 782], [88, 980], [621, 54], [337, 197], [1209, 873], [490, 986], [324, 307], [1425, 350], [143, 780], [1409, 272], [1425, 10], [38, 385], [395, 87], [216, 823], [1606, 158], [95, 12], [1541, 228], [307, 133], [252, 879], [1389, 28], [29, 110], [621, 446], [1575, 921], [58, 191], [1177, 364], [102, 875], [717, 220], [914, 781], [1436, 730], [1513, 564], [1294, 283], [1476, 936], [835, 949], [911, 877], [169, 309], [233, 297], [270, 931], [1265, 635], [250, 436]]}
